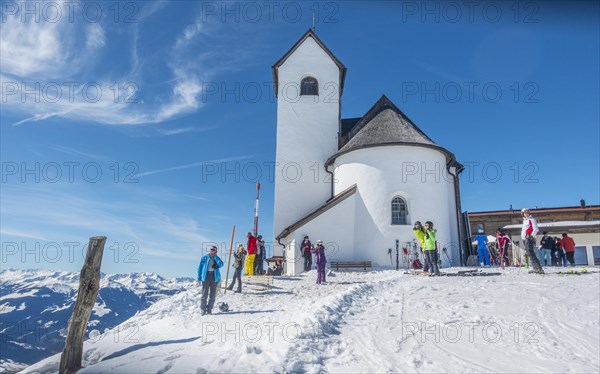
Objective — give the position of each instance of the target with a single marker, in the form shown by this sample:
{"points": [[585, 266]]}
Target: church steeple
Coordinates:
{"points": [[310, 33]]}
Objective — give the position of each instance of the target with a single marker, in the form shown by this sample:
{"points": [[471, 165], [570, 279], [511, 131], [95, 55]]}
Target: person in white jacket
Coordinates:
{"points": [[528, 232]]}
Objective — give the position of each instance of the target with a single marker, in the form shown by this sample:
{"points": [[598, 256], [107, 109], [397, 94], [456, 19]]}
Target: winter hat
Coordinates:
{"points": [[525, 210], [223, 307], [319, 242]]}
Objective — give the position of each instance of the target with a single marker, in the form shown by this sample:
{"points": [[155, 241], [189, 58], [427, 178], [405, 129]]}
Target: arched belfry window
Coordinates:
{"points": [[399, 211], [309, 86]]}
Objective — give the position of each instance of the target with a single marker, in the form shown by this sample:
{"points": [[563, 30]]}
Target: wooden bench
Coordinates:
{"points": [[364, 265], [260, 282]]}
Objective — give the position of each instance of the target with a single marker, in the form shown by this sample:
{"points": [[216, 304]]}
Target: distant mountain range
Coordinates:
{"points": [[35, 306]]}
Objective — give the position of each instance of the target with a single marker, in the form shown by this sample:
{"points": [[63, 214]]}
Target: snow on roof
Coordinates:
{"points": [[559, 224]]}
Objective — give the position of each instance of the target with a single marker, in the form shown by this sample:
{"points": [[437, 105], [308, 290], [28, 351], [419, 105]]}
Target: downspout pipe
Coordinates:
{"points": [[458, 207]]}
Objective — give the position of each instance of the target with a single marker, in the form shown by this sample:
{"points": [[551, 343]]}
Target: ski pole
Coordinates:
{"points": [[229, 260]]}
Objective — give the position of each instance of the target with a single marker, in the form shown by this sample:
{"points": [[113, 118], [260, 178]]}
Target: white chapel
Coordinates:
{"points": [[357, 184]]}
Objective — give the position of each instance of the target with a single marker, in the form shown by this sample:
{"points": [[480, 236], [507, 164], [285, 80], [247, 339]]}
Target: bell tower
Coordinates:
{"points": [[308, 82]]}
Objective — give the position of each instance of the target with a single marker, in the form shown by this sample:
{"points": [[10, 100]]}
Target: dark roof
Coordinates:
{"points": [[347, 125], [384, 124], [320, 210], [309, 33]]}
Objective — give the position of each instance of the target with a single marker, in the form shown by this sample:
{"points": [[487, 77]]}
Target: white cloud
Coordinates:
{"points": [[65, 212], [48, 54], [192, 165]]}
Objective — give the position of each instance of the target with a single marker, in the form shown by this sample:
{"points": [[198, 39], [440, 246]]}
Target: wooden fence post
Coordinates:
{"points": [[89, 284]]}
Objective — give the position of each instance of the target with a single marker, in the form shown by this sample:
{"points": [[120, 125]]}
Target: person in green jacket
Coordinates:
{"points": [[429, 248], [419, 232]]}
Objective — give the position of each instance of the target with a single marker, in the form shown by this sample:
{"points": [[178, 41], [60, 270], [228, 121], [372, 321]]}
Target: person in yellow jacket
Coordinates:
{"points": [[430, 248], [419, 232]]}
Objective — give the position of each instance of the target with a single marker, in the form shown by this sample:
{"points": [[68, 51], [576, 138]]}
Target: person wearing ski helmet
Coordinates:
{"points": [[320, 260], [305, 250], [419, 232], [528, 232], [430, 248], [482, 249], [209, 275]]}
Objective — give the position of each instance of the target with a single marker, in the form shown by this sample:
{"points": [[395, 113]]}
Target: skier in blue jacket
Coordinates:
{"points": [[210, 276], [484, 257]]}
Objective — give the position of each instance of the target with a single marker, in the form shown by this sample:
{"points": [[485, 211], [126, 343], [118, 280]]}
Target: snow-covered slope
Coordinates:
{"points": [[383, 321], [35, 306]]}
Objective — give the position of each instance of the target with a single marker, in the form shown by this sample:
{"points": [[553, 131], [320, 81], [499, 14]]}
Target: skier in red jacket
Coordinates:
{"points": [[503, 242], [568, 244], [251, 254]]}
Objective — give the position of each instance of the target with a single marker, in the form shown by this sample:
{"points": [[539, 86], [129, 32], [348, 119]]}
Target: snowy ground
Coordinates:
{"points": [[384, 321]]}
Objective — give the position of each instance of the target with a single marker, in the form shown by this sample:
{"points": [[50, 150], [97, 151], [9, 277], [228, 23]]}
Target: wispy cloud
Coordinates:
{"points": [[192, 165], [7, 231], [63, 213], [39, 53], [75, 152]]}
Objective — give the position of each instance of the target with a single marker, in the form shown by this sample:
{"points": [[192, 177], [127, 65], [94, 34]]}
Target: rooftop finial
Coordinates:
{"points": [[314, 26]]}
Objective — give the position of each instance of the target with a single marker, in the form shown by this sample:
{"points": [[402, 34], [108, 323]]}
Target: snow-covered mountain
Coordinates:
{"points": [[372, 322], [35, 306]]}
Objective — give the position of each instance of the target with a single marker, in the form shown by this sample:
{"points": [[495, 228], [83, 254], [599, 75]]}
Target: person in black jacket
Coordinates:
{"points": [[305, 250], [547, 245], [561, 259], [260, 256]]}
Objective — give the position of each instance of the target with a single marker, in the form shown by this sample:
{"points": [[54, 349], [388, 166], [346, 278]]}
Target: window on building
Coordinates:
{"points": [[581, 257], [480, 228], [399, 211], [596, 251], [309, 86]]}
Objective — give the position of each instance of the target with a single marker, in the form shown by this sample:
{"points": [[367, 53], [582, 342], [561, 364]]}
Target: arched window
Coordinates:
{"points": [[399, 211], [309, 86]]}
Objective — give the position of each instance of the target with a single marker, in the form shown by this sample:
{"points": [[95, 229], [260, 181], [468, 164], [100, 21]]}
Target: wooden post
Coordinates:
{"points": [[89, 284], [229, 260]]}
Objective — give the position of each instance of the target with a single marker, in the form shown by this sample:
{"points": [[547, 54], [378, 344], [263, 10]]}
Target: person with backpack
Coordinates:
{"points": [[260, 256], [209, 276], [568, 244], [546, 247], [528, 232], [430, 248], [320, 260], [306, 248], [238, 265]]}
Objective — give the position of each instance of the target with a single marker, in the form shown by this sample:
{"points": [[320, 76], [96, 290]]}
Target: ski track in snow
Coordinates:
{"points": [[379, 322]]}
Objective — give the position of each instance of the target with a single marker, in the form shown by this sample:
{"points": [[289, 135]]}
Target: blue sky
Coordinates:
{"points": [[147, 122]]}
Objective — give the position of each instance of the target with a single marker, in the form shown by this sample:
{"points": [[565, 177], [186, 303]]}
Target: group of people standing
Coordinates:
{"points": [[210, 276], [256, 254], [553, 251], [559, 250], [427, 237], [307, 250]]}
